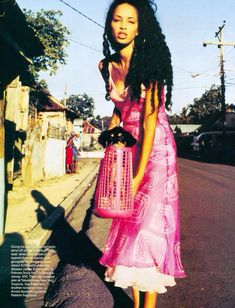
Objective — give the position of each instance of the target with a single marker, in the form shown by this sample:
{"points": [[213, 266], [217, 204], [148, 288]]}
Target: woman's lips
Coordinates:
{"points": [[122, 35]]}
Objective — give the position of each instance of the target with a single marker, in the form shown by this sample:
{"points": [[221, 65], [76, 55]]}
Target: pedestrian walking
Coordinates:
{"points": [[143, 251], [77, 141], [69, 155], [76, 154]]}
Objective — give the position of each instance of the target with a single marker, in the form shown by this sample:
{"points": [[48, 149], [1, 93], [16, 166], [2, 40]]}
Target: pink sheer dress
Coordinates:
{"points": [[143, 251]]}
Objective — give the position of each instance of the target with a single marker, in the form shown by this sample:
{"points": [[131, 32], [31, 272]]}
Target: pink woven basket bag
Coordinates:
{"points": [[114, 196]]}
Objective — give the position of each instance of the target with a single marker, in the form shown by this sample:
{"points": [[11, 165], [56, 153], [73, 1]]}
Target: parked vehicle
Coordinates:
{"points": [[214, 145], [184, 148]]}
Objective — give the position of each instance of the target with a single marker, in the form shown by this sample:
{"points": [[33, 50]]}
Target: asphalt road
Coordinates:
{"points": [[207, 208]]}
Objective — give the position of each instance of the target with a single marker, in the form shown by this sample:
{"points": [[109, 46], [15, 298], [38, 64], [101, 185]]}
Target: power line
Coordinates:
{"points": [[231, 71], [189, 88], [182, 69], [229, 55], [84, 45], [195, 74], [79, 12]]}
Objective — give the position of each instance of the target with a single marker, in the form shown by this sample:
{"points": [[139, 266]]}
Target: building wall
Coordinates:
{"points": [[37, 137], [16, 122], [2, 164], [54, 158], [32, 163], [53, 124], [87, 128], [89, 140], [185, 128], [77, 126], [22, 122], [12, 97]]}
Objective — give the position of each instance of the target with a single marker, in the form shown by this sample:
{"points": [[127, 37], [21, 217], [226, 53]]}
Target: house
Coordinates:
{"points": [[78, 126], [49, 124], [90, 134], [18, 45]]}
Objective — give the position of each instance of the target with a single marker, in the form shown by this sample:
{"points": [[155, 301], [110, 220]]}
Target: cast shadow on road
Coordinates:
{"points": [[75, 251], [10, 292], [6, 281]]}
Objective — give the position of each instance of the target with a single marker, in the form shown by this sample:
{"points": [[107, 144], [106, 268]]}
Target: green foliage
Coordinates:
{"points": [[203, 110], [175, 119], [207, 106], [83, 105], [52, 34], [43, 84]]}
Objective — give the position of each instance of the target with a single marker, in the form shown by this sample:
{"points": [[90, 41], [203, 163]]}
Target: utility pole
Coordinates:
{"points": [[220, 45], [65, 93], [2, 166]]}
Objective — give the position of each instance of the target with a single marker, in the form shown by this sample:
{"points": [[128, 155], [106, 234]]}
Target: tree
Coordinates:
{"points": [[207, 107], [185, 118], [175, 119], [52, 34], [42, 83], [105, 122], [204, 110], [83, 105]]}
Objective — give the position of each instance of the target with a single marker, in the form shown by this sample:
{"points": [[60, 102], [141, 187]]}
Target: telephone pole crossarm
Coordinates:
{"points": [[205, 43]]}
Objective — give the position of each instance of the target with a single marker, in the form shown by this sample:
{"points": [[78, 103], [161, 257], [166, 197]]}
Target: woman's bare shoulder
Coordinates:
{"points": [[112, 60], [101, 65]]}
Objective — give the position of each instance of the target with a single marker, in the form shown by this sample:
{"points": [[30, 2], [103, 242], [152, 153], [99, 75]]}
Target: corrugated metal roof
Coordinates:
{"points": [[18, 42], [15, 30]]}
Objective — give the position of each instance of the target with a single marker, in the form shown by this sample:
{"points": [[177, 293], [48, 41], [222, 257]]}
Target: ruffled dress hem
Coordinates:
{"points": [[143, 279]]}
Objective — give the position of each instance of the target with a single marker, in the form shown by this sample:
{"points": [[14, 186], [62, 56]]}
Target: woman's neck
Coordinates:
{"points": [[125, 56]]}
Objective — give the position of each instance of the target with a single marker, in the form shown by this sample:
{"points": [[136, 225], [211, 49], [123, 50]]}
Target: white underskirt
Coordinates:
{"points": [[143, 279]]}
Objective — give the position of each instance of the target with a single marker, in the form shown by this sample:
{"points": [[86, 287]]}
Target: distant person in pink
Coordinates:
{"points": [[69, 155], [143, 251]]}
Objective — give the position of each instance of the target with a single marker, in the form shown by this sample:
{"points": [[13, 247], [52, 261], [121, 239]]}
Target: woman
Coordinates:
{"points": [[143, 251], [69, 155]]}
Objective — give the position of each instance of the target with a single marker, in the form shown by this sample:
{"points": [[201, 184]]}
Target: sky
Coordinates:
{"points": [[185, 23]]}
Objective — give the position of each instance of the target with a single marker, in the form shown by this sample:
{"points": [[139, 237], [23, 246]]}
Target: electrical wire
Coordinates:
{"points": [[182, 69], [189, 88], [79, 12], [228, 55], [195, 74], [84, 45]]}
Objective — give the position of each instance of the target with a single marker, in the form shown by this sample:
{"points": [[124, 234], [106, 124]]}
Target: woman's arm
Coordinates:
{"points": [[100, 66], [115, 119], [149, 126]]}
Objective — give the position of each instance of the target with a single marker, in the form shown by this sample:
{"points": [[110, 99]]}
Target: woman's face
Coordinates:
{"points": [[124, 24]]}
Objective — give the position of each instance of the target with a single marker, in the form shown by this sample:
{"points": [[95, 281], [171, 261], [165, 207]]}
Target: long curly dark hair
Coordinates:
{"points": [[151, 59]]}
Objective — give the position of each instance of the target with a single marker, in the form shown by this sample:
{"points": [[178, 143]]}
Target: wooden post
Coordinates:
{"points": [[2, 165], [12, 117]]}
